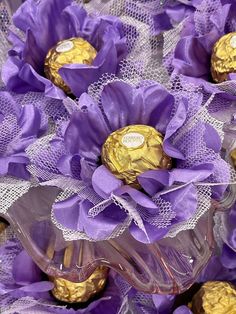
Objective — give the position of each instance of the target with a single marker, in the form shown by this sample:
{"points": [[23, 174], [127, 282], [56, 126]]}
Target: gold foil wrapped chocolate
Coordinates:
{"points": [[71, 292], [69, 51], [132, 150], [223, 59], [3, 226], [233, 157], [215, 297]]}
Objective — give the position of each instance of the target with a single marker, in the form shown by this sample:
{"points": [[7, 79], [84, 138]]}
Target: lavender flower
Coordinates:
{"points": [[46, 22], [80, 148]]}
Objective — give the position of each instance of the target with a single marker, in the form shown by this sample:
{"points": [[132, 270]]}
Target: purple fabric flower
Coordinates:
{"points": [[192, 55], [195, 161], [21, 277], [19, 127], [44, 24], [172, 13]]}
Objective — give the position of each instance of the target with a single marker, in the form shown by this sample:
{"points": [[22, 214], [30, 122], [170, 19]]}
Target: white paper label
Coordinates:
{"points": [[133, 140], [233, 41], [65, 46]]}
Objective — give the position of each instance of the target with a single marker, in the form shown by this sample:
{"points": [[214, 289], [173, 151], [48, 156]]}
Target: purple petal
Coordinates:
{"points": [[17, 169], [74, 215], [14, 165], [191, 58], [10, 76], [79, 76], [221, 16], [228, 257], [184, 202], [46, 21], [176, 122], [179, 12], [121, 106], [151, 234], [212, 138], [183, 309], [139, 197], [107, 185], [67, 212], [158, 106], [17, 42], [30, 121], [37, 287], [36, 82], [154, 181], [70, 166], [103, 225], [35, 57], [25, 271], [163, 302], [161, 23], [87, 130]]}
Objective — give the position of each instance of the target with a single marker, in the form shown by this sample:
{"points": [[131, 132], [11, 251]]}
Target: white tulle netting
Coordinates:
{"points": [[144, 63]]}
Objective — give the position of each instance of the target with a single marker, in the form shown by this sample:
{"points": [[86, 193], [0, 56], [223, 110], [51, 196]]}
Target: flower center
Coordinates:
{"points": [[77, 292], [132, 150], [223, 59], [69, 51]]}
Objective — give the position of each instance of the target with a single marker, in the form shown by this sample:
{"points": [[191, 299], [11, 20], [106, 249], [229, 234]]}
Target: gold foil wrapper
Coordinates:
{"points": [[3, 226], [233, 157], [69, 51], [223, 59], [215, 297], [71, 292], [132, 150]]}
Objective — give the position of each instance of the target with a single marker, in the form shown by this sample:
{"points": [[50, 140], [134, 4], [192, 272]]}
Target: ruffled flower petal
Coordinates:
{"points": [[154, 180], [109, 183], [87, 130], [25, 270], [45, 23], [74, 214], [79, 76]]}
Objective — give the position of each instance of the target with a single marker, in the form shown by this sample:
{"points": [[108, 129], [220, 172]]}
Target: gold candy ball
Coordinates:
{"points": [[132, 150], [71, 292], [223, 59], [233, 157], [3, 226], [69, 51], [215, 297]]}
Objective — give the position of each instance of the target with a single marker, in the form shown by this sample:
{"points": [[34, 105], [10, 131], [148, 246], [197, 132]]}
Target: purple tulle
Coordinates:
{"points": [[123, 105], [47, 22], [19, 127]]}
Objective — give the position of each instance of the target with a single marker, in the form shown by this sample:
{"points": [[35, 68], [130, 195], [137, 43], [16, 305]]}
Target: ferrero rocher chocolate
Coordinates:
{"points": [[215, 297], [132, 150], [223, 59], [3, 226], [69, 51], [71, 292], [233, 157]]}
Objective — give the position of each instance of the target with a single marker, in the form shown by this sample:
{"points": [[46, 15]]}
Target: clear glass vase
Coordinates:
{"points": [[169, 266]]}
